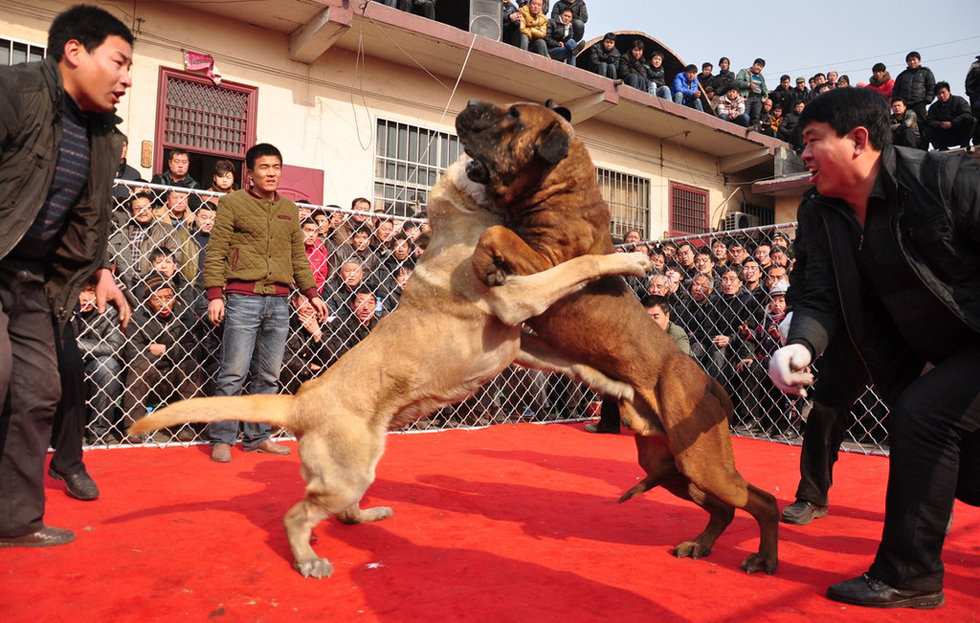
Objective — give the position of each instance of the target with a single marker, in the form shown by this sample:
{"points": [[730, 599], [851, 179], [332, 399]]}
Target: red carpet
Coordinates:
{"points": [[510, 523]]}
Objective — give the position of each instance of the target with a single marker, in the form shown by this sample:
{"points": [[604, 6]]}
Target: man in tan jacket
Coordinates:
{"points": [[254, 257]]}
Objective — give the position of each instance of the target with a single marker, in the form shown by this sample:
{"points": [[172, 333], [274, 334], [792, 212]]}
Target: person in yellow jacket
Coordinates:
{"points": [[534, 27]]}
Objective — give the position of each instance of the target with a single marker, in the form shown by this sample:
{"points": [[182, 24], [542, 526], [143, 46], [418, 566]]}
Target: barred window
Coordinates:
{"points": [[200, 116], [13, 52], [408, 161], [688, 210], [628, 197], [763, 214]]}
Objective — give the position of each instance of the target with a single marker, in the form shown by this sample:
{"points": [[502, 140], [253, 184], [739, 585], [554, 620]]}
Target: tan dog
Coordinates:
{"points": [[449, 335], [542, 178]]}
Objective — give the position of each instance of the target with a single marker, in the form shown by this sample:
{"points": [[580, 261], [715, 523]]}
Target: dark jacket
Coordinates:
{"points": [[579, 10], [98, 335], [556, 34], [31, 103], [175, 333], [915, 86], [972, 83], [905, 131], [656, 75], [629, 65], [934, 217], [955, 110], [598, 54]]}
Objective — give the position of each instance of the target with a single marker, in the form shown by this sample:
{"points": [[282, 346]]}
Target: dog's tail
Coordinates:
{"points": [[271, 409], [641, 487]]}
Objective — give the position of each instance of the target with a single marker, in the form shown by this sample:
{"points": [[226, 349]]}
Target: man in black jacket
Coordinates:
{"points": [[888, 267], [57, 162], [604, 57], [916, 85], [949, 121]]}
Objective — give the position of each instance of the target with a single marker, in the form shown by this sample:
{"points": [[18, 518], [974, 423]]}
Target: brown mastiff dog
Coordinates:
{"points": [[449, 335], [541, 178]]}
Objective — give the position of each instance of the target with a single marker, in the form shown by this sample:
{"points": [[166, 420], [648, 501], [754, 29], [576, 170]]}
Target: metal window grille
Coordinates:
{"points": [[688, 210], [13, 52], [765, 215], [628, 197], [408, 162], [199, 115]]}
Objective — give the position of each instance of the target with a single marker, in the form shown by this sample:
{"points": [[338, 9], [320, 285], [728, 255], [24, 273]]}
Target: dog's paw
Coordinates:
{"points": [[691, 549], [637, 263], [314, 568], [760, 562]]}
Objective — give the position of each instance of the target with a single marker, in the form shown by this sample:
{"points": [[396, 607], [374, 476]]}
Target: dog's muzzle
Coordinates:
{"points": [[477, 172]]}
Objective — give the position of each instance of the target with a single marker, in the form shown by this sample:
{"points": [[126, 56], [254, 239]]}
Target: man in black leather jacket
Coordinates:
{"points": [[888, 268]]}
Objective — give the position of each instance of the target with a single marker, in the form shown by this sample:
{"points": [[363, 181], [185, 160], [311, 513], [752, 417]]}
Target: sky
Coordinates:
{"points": [[803, 38]]}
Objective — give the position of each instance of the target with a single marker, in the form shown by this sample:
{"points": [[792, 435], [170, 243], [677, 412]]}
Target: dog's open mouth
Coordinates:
{"points": [[477, 172]]}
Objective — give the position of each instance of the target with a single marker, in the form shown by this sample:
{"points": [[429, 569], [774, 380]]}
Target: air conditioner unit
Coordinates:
{"points": [[485, 18], [740, 220]]}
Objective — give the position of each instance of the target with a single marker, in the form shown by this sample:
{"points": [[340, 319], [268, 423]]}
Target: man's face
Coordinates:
{"points": [[738, 253], [706, 71], [756, 68], [165, 265], [360, 240], [178, 165], [657, 259], [724, 65], [305, 212], [779, 258], [177, 204], [799, 107], [266, 173], [784, 83], [658, 285], [637, 53], [690, 75], [535, 6], [719, 251], [224, 181], [336, 218], [730, 283], [205, 220], [766, 104], [751, 272], [633, 236], [365, 304], [830, 159], [162, 302], [401, 250], [801, 86], [659, 316], [566, 17], [702, 262], [898, 108], [351, 273], [656, 60], [913, 62], [776, 274], [608, 44], [86, 299], [142, 210], [97, 81], [384, 231], [310, 232], [685, 256], [733, 93], [943, 95], [832, 77], [762, 254], [701, 289]]}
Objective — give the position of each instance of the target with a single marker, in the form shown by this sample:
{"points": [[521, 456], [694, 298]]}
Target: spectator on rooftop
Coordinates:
{"points": [[843, 81], [917, 86], [949, 121], [731, 107], [881, 81], [657, 84], [725, 78], [510, 20], [580, 15], [687, 89], [972, 85], [783, 95], [561, 44], [534, 28], [633, 68], [707, 81], [752, 86], [604, 57], [904, 125]]}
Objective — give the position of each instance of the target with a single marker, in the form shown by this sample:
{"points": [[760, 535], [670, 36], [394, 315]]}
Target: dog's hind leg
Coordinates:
{"points": [[300, 521], [720, 515]]}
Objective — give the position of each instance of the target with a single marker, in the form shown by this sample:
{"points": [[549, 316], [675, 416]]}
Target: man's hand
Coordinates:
{"points": [[106, 291], [321, 308], [157, 349], [789, 369], [216, 311], [721, 341]]}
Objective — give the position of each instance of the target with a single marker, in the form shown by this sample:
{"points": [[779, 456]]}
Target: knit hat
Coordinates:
{"points": [[779, 289], [155, 281]]}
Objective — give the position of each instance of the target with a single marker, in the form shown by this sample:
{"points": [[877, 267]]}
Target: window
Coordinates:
{"points": [[765, 216], [210, 121], [628, 197], [408, 161], [688, 210], [14, 52]]}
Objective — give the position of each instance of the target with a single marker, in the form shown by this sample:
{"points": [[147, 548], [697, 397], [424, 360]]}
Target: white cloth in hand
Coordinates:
{"points": [[788, 369]]}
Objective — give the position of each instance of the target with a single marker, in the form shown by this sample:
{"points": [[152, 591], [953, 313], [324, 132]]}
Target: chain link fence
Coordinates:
{"points": [[170, 350]]}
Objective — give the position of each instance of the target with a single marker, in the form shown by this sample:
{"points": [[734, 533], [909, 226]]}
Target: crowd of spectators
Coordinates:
{"points": [[360, 260]]}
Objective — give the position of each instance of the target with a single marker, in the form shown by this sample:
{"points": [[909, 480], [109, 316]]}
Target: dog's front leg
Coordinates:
{"points": [[500, 253]]}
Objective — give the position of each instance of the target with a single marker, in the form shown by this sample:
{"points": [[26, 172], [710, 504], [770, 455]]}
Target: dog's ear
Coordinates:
{"points": [[553, 147], [562, 112]]}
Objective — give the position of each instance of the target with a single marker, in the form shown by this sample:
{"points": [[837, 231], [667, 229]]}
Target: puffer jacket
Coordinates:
{"points": [[533, 27], [32, 99], [258, 241], [915, 86]]}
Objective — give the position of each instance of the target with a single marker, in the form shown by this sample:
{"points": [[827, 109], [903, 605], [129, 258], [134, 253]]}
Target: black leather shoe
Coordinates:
{"points": [[45, 537], [78, 484], [802, 512], [866, 590], [592, 427]]}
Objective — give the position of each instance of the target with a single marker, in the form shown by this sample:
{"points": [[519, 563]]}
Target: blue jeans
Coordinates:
{"points": [[255, 332], [564, 54], [742, 120], [609, 70], [695, 103], [661, 92]]}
